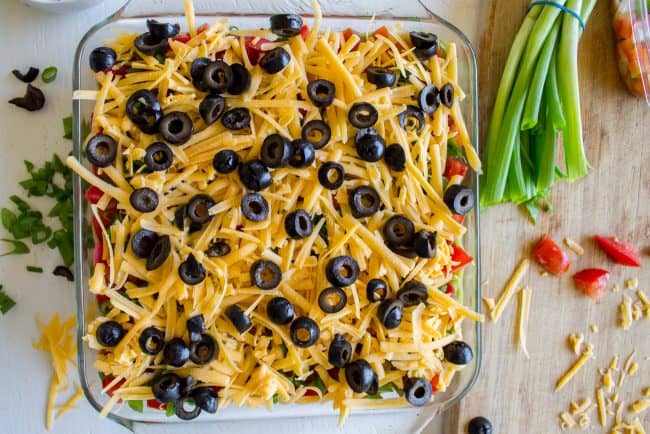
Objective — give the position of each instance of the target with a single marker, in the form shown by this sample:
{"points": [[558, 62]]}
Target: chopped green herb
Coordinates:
{"points": [[105, 307], [136, 405], [67, 128], [453, 150], [160, 58], [49, 74], [169, 411], [319, 383], [276, 398], [389, 387], [101, 375], [19, 248], [6, 302], [33, 269]]}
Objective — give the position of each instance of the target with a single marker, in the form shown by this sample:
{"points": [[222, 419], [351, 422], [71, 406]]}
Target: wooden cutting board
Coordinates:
{"points": [[514, 392]]}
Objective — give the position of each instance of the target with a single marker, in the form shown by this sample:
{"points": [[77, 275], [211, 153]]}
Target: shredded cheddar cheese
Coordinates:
{"points": [[525, 296], [575, 247], [510, 289], [568, 375]]}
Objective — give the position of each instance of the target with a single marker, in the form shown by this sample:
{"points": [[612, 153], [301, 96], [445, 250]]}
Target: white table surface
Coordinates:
{"points": [[31, 37]]}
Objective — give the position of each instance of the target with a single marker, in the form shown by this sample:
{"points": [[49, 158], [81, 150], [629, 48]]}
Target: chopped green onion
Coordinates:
{"points": [[160, 58], [6, 302], [33, 269], [49, 74], [169, 411], [19, 248], [67, 128], [136, 405], [276, 398]]}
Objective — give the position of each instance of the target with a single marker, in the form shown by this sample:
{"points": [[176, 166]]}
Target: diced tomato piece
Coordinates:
{"points": [[450, 290], [155, 404], [619, 251], [435, 383], [254, 49], [460, 257], [310, 392], [93, 194], [304, 32], [109, 213], [107, 380], [101, 298], [383, 31], [550, 256], [592, 282], [347, 33], [455, 166], [183, 38], [334, 373], [458, 217]]}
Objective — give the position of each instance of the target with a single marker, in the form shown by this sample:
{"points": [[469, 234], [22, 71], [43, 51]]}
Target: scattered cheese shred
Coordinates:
{"points": [[575, 341], [593, 328], [625, 312], [568, 375], [566, 420], [525, 296], [632, 283], [600, 400], [579, 407], [510, 288], [575, 247], [69, 405], [640, 406]]}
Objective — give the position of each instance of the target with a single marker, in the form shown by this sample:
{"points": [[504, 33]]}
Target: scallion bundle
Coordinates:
{"points": [[537, 101]]}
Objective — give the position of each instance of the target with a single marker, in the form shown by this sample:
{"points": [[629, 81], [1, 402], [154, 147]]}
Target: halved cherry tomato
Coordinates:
{"points": [[185, 37], [93, 194], [592, 282], [254, 49], [383, 31], [311, 392], [155, 404], [334, 373], [460, 257], [619, 251], [450, 290], [435, 383], [550, 256], [304, 32], [107, 380], [460, 218], [455, 166]]}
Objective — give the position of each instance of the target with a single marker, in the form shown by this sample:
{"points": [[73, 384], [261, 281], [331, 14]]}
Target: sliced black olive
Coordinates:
{"points": [[286, 25], [276, 151], [398, 230], [101, 150], [265, 274], [158, 157], [390, 313], [144, 199], [238, 318], [151, 45], [225, 161], [275, 60], [196, 72], [413, 293], [212, 108], [142, 242], [195, 327], [458, 353], [28, 77], [417, 391], [316, 132], [162, 30], [406, 251], [206, 398], [151, 341], [364, 201], [342, 271], [426, 53], [254, 207], [187, 384], [191, 271], [376, 290], [332, 299], [303, 153], [447, 95], [370, 147], [380, 77], [186, 409], [374, 385], [321, 92], [479, 425], [144, 111], [63, 271], [411, 119], [236, 119], [101, 58], [331, 175], [304, 332], [459, 199], [280, 310], [167, 388], [217, 76], [423, 39], [176, 353], [159, 253], [204, 351], [359, 375], [254, 175], [340, 351], [241, 79], [395, 157], [32, 101], [425, 244], [363, 115], [298, 224], [109, 333], [220, 248], [198, 208], [176, 127], [429, 99]]}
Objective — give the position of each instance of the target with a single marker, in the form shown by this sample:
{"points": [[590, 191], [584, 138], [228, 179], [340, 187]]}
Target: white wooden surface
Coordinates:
{"points": [[30, 37]]}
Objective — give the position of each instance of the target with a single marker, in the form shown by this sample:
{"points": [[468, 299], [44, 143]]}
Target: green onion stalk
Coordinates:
{"points": [[537, 101]]}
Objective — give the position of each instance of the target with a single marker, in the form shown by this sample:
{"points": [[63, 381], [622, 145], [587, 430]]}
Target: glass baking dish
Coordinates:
{"points": [[338, 15]]}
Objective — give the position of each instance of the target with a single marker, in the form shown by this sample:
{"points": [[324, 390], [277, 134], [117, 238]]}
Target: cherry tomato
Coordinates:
{"points": [[254, 49], [107, 380], [550, 256], [435, 383], [460, 257], [450, 290], [619, 251], [383, 31], [155, 404], [460, 218], [185, 37], [101, 298], [592, 282], [304, 32], [93, 194], [455, 166]]}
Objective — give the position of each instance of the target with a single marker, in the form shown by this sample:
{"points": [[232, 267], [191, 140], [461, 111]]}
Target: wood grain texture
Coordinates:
{"points": [[514, 392]]}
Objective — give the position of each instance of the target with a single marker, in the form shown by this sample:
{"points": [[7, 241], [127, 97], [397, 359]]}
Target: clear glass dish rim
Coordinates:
{"points": [[78, 197]]}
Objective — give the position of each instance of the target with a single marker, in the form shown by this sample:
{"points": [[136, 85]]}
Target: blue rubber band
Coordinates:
{"points": [[563, 8]]}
